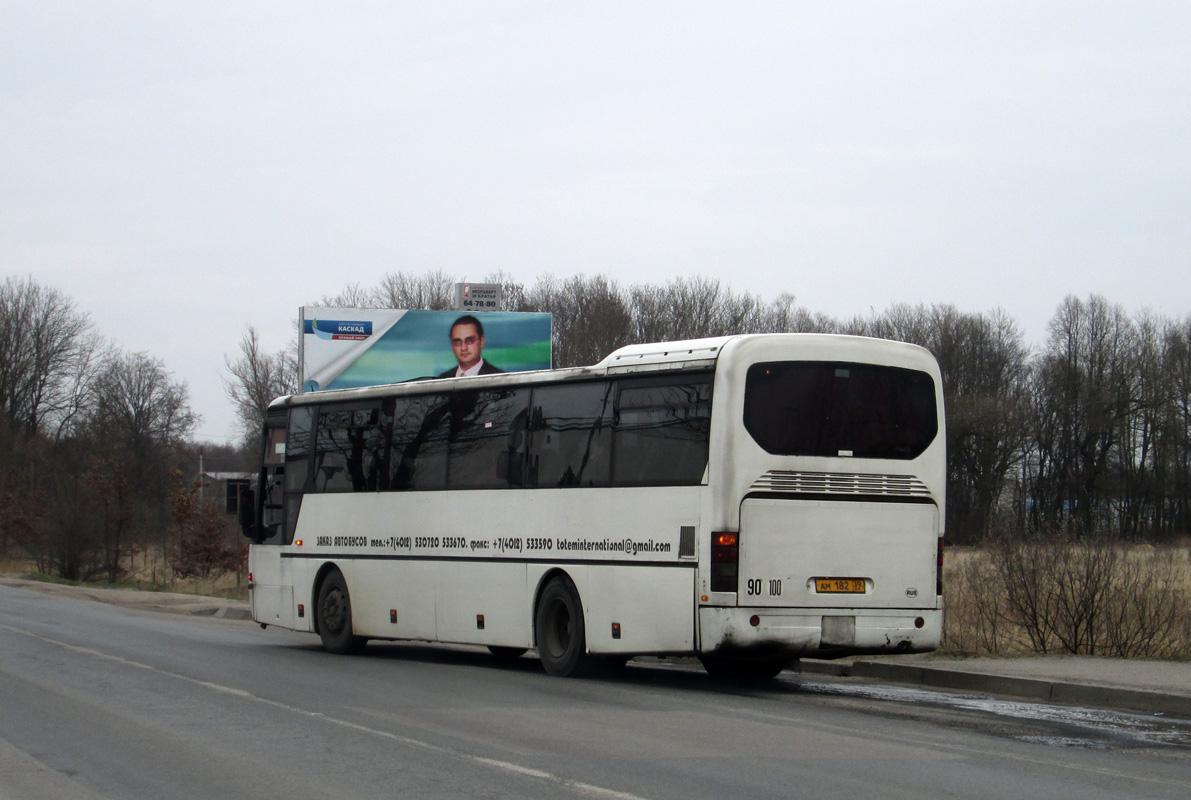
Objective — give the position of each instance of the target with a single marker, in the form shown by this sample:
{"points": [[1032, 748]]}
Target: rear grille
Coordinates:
{"points": [[840, 483]]}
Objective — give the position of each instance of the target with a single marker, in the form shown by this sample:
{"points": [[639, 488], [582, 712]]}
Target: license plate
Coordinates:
{"points": [[839, 585]]}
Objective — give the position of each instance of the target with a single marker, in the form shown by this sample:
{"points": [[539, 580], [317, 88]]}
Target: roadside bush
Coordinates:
{"points": [[1079, 594], [207, 545], [1151, 611], [975, 616]]}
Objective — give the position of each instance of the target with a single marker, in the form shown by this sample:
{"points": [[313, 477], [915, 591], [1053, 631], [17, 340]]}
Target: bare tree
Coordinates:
{"points": [[685, 308], [143, 416], [591, 317], [352, 296], [1175, 459], [1085, 390], [985, 366], [433, 291], [47, 356], [513, 292], [254, 380]]}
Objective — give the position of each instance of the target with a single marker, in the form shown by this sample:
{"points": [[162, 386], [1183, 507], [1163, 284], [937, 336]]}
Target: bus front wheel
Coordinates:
{"points": [[334, 617], [562, 643]]}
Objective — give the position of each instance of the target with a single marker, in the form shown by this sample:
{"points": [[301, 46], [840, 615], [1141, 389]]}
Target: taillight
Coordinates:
{"points": [[939, 570], [725, 556]]}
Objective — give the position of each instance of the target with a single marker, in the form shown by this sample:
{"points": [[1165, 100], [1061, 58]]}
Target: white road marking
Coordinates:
{"points": [[587, 789]]}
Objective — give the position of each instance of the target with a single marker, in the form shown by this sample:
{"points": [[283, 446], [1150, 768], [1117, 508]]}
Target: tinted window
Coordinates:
{"points": [[572, 435], [421, 430], [297, 465], [662, 430], [488, 433], [818, 408], [350, 449], [297, 448]]}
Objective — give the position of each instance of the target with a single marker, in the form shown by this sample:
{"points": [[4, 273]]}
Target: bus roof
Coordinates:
{"points": [[690, 353]]}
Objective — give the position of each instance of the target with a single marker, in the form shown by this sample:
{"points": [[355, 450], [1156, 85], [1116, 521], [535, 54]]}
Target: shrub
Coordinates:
{"points": [[1079, 594]]}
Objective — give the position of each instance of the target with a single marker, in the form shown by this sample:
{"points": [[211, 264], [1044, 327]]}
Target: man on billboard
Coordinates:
{"points": [[467, 340]]}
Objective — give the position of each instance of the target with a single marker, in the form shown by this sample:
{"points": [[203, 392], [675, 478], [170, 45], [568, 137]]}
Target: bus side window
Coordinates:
{"points": [[297, 465], [272, 499], [572, 435], [662, 431], [347, 445], [418, 454], [487, 449]]}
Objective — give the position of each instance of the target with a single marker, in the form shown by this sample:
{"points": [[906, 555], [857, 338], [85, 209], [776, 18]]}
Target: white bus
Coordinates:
{"points": [[746, 499]]}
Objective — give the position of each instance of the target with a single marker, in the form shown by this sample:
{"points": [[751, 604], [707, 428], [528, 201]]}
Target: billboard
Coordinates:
{"points": [[345, 348]]}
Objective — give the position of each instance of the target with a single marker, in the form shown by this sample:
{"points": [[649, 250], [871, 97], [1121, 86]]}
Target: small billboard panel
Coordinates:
{"points": [[344, 348], [478, 296]]}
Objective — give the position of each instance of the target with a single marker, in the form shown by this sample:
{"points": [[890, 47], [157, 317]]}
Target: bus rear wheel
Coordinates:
{"points": [[334, 617], [562, 643]]}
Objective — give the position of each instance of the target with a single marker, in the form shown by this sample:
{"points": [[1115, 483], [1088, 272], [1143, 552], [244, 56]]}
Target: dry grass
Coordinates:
{"points": [[1053, 597], [148, 571]]}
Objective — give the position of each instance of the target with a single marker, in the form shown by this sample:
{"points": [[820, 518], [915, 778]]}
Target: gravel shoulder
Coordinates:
{"points": [[165, 602]]}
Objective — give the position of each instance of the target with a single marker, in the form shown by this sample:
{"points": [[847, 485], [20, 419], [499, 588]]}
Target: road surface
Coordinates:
{"points": [[100, 701]]}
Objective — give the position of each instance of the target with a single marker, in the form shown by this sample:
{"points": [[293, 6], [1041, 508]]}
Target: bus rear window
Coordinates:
{"points": [[822, 408]]}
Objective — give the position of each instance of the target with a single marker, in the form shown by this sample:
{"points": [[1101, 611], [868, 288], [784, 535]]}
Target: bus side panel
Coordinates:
{"points": [[391, 600], [301, 576], [653, 606], [272, 586], [482, 603]]}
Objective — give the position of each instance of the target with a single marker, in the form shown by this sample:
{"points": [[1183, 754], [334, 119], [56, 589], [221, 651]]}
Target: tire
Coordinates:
{"points": [[744, 670], [506, 653], [558, 624], [333, 613]]}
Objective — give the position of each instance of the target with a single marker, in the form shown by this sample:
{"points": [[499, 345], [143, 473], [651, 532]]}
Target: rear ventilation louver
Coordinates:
{"points": [[840, 483]]}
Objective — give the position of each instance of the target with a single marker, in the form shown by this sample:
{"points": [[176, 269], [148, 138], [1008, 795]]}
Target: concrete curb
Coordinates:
{"points": [[1063, 692]]}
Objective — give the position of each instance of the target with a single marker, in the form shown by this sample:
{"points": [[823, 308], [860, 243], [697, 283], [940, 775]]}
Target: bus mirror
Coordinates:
{"points": [[248, 512]]}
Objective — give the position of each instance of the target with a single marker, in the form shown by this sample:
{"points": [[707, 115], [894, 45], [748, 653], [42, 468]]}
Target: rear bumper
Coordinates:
{"points": [[821, 633]]}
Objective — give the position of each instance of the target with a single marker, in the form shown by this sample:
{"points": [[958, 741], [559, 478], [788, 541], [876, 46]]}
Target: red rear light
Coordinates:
{"points": [[725, 555]]}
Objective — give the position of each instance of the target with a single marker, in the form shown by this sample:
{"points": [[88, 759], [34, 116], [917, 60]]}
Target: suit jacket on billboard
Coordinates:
{"points": [[486, 368]]}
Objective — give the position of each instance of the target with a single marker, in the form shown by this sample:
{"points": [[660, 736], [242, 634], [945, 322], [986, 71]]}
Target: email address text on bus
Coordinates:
{"points": [[531, 546]]}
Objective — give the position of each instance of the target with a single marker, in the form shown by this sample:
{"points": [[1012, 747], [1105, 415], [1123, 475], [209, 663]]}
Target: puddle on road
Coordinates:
{"points": [[1086, 728]]}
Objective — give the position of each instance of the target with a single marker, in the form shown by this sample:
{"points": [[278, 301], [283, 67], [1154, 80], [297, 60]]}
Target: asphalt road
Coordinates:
{"points": [[99, 701]]}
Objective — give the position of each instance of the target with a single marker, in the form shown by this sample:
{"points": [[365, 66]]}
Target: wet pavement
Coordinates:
{"points": [[1155, 687], [1029, 721]]}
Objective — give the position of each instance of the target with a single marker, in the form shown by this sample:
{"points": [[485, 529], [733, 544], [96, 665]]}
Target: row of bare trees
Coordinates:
{"points": [[1089, 431], [90, 435]]}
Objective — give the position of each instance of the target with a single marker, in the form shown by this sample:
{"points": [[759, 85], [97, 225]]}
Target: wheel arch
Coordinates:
{"points": [[325, 569], [543, 582]]}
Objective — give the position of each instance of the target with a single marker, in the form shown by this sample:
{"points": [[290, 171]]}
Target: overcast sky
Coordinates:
{"points": [[185, 170]]}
